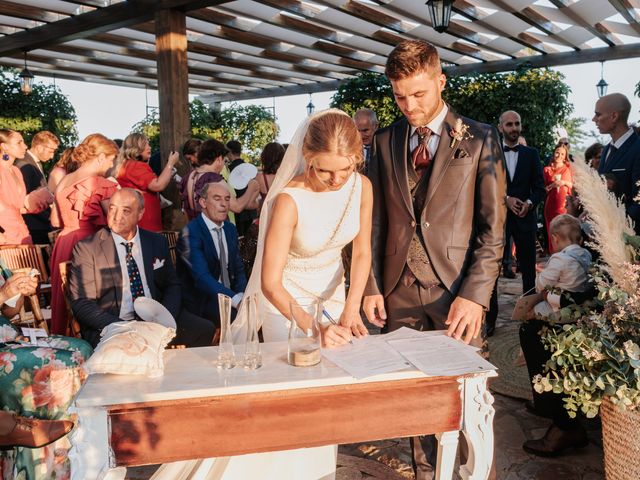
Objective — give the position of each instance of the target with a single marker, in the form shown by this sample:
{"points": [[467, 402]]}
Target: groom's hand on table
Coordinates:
{"points": [[465, 318], [373, 307]]}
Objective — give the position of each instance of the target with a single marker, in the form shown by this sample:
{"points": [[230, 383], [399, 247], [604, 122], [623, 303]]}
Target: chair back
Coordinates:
{"points": [[26, 256], [172, 240], [34, 318], [73, 327]]}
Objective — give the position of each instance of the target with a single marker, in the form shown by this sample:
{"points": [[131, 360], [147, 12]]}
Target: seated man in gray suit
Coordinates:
{"points": [[117, 265]]}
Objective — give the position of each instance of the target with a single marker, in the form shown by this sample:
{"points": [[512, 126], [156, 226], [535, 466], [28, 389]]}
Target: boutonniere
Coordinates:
{"points": [[459, 133]]}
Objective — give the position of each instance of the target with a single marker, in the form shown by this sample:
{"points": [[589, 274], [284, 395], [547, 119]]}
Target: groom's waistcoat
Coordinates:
{"points": [[420, 267]]}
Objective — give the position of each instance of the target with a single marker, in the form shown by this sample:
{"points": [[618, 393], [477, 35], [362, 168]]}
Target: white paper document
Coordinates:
{"points": [[370, 355], [439, 355]]}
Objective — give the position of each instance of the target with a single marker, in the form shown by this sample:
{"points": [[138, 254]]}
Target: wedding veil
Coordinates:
{"points": [[293, 164]]}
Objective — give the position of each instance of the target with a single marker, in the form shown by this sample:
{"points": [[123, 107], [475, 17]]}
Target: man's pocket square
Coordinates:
{"points": [[157, 263]]}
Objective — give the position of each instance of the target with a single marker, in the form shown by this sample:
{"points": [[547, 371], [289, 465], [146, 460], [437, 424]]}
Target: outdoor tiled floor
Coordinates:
{"points": [[513, 424]]}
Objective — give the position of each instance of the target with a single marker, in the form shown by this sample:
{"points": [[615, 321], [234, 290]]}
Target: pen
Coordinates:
{"points": [[330, 318]]}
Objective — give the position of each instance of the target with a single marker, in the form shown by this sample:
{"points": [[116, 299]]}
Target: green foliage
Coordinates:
{"points": [[539, 95], [45, 108], [599, 356], [251, 125], [368, 90], [574, 129]]}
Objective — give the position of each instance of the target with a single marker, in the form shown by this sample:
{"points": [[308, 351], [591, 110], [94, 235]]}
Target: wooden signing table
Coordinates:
{"points": [[196, 411]]}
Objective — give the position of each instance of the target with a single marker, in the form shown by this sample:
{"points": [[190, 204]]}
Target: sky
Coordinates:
{"points": [[113, 110]]}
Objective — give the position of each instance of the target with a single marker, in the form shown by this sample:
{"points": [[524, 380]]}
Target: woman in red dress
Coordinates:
{"points": [[136, 173], [14, 200], [558, 182], [82, 198]]}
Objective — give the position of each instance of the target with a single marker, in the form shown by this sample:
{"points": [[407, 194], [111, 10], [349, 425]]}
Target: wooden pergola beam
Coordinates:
{"points": [[535, 61], [120, 15]]}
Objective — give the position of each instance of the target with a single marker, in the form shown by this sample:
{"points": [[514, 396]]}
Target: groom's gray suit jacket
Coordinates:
{"points": [[462, 221]]}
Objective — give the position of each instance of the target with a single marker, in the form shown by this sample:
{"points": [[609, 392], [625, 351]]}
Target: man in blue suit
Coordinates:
{"points": [[621, 156], [209, 260]]}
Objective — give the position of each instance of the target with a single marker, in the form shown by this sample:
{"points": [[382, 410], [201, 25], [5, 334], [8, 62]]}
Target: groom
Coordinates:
{"points": [[439, 190]]}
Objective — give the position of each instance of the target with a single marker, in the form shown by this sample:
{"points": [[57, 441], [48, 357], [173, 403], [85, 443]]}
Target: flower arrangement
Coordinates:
{"points": [[598, 356]]}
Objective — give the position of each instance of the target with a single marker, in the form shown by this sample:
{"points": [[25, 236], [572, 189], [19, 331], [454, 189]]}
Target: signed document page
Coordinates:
{"points": [[370, 355], [439, 355]]}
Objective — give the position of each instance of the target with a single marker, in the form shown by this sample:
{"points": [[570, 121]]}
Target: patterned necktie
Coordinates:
{"points": [[135, 281], [420, 154], [223, 259]]}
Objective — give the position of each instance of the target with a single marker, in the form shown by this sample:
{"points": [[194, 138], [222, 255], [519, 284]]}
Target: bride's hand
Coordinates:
{"points": [[353, 321], [335, 335]]}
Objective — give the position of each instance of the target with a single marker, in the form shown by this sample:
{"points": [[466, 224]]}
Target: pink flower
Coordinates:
{"points": [[52, 386], [6, 361]]}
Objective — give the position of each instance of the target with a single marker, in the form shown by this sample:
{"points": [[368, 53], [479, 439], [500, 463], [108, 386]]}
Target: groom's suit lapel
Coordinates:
{"points": [[443, 157], [399, 152]]}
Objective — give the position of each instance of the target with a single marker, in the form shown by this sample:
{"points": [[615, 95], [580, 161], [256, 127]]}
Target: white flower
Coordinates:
{"points": [[632, 349]]}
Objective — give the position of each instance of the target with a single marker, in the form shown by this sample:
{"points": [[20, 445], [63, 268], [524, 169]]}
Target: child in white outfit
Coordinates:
{"points": [[568, 268]]}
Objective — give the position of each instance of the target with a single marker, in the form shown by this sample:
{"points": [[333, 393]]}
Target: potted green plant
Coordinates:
{"points": [[595, 361]]}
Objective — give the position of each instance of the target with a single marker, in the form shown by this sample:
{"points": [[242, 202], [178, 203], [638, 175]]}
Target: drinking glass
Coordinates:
{"points": [[304, 332], [252, 356], [226, 354]]}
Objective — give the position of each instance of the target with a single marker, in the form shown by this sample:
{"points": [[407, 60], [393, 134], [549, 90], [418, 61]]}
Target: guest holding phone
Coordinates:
{"points": [[135, 172]]}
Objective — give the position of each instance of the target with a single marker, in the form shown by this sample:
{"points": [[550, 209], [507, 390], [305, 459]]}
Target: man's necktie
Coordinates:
{"points": [[224, 276], [507, 148], [420, 154], [367, 153], [135, 281]]}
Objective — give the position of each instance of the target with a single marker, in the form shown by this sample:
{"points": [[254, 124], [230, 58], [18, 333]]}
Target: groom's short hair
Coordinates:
{"points": [[412, 57]]}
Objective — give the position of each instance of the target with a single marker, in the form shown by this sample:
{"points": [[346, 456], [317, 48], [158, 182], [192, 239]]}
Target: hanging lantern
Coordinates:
{"points": [[26, 78], [310, 107], [602, 85], [440, 12]]}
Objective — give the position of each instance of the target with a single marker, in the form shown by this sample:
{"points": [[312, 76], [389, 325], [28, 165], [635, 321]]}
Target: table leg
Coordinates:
{"points": [[447, 448], [477, 427], [89, 453]]}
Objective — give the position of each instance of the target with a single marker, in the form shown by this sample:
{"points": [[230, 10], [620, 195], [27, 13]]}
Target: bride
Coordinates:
{"points": [[317, 204], [326, 205]]}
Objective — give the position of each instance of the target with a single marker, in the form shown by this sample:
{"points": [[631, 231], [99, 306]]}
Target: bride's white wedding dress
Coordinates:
{"points": [[327, 221]]}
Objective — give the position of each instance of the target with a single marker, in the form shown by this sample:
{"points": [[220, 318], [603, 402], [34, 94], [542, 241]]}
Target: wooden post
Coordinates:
{"points": [[173, 92]]}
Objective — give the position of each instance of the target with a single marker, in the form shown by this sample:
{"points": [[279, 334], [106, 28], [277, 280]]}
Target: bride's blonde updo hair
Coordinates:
{"points": [[92, 146], [333, 132]]}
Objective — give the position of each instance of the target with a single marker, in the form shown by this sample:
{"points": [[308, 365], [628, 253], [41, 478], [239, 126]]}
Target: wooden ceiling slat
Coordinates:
{"points": [[468, 10], [20, 10], [537, 20], [628, 12], [565, 8], [100, 20]]}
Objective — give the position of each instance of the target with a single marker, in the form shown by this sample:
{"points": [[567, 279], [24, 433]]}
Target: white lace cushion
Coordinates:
{"points": [[131, 348]]}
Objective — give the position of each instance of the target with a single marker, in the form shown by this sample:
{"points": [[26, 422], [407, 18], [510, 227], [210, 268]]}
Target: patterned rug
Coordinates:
{"points": [[504, 348]]}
